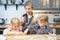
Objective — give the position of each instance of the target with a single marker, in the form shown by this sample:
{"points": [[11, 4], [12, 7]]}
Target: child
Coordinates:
{"points": [[43, 26], [15, 28]]}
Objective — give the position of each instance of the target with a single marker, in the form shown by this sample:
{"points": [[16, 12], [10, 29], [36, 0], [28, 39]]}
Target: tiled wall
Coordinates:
{"points": [[11, 12]]}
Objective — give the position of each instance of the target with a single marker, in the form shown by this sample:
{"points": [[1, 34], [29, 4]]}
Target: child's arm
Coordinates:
{"points": [[6, 32], [9, 33]]}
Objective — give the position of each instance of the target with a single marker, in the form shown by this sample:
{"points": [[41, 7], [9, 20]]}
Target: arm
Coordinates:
{"points": [[25, 32], [6, 32]]}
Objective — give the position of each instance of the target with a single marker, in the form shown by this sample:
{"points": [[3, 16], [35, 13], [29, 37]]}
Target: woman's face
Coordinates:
{"points": [[28, 9]]}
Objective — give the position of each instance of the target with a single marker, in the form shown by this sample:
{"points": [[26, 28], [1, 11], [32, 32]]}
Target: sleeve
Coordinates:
{"points": [[5, 32], [50, 29], [24, 28], [32, 29]]}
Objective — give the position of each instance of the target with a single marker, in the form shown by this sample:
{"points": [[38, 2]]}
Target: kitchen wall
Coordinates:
{"points": [[11, 12]]}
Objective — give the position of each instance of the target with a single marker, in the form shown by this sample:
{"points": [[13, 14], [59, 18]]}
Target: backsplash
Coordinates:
{"points": [[11, 12]]}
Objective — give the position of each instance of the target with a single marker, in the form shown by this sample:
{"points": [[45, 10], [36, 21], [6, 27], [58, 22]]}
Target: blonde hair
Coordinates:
{"points": [[14, 19], [33, 21], [28, 3], [43, 18]]}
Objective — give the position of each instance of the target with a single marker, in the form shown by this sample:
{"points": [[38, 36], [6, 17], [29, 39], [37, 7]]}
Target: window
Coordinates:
{"points": [[50, 3]]}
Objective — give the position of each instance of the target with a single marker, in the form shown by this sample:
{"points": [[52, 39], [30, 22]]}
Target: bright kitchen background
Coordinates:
{"points": [[11, 11], [8, 11]]}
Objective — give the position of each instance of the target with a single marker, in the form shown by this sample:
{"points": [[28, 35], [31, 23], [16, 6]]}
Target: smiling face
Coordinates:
{"points": [[28, 9]]}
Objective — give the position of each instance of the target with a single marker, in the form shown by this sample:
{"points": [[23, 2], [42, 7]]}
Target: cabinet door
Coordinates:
{"points": [[43, 4], [2, 1]]}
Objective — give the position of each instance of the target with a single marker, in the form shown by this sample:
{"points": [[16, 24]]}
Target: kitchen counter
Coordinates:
{"points": [[7, 25], [3, 26], [57, 26]]}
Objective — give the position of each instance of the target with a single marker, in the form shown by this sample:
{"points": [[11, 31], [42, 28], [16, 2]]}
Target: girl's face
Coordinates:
{"points": [[16, 23]]}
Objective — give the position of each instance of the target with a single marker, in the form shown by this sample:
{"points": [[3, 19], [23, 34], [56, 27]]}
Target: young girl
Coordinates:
{"points": [[15, 28]]}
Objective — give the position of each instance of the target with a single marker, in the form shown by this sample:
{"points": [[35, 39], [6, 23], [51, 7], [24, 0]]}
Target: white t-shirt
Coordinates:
{"points": [[5, 32]]}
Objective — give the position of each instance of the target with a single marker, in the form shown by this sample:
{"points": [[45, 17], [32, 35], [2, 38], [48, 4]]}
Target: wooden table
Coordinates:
{"points": [[30, 37]]}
